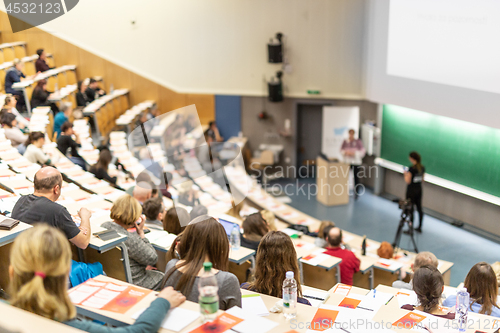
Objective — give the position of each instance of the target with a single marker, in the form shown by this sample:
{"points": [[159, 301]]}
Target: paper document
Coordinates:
{"points": [[176, 319], [251, 323], [253, 303], [374, 300]]}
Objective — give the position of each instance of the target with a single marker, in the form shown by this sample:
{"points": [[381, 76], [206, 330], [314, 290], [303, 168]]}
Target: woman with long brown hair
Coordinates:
{"points": [[100, 169], [203, 240], [39, 281], [428, 284], [254, 228], [275, 256], [482, 285]]}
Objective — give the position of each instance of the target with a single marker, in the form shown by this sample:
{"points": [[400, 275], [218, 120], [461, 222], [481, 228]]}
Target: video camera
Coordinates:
{"points": [[405, 205]]}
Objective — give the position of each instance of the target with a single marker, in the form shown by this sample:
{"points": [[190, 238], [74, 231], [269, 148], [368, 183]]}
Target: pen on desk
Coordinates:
{"points": [[374, 292], [314, 297]]}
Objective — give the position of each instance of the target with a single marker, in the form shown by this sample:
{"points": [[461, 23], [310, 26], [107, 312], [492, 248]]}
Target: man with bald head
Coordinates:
{"points": [[41, 207], [421, 259], [142, 192], [350, 264]]}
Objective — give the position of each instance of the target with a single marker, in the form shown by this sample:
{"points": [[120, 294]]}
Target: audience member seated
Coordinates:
{"points": [[100, 169], [149, 164], [41, 63], [142, 192], [41, 206], [10, 106], [275, 256], [496, 269], [350, 263], [34, 152], [481, 283], [198, 210], [421, 259], [153, 119], [126, 211], [12, 132], [188, 196], [385, 251], [175, 221], [62, 117], [167, 176], [137, 135], [428, 284], [39, 278], [93, 91], [142, 177], [254, 228], [204, 240], [14, 75], [41, 96], [81, 96], [324, 227], [270, 219], [213, 132], [65, 142], [154, 209]]}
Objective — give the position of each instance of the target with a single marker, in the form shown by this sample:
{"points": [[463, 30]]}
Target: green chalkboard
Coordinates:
{"points": [[459, 151]]}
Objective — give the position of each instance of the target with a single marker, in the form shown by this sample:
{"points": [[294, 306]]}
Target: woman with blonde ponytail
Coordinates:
{"points": [[39, 279]]}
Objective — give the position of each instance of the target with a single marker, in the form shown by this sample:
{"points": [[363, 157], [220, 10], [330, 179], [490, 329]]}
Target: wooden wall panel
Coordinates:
{"points": [[116, 75], [39, 39], [205, 105], [64, 53], [143, 89], [170, 100], [88, 65]]}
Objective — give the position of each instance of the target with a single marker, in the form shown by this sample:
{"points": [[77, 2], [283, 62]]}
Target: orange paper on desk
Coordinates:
{"points": [[323, 319], [342, 289], [409, 320], [126, 300], [350, 303], [221, 324]]}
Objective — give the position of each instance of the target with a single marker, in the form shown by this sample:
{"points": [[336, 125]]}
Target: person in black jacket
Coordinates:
{"points": [[41, 63], [41, 95], [93, 91], [81, 97], [65, 142], [100, 169]]}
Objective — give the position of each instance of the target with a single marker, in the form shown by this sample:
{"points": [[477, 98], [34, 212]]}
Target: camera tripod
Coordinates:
{"points": [[406, 218]]}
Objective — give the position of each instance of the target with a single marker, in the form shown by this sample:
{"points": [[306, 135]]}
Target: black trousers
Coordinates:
{"points": [[355, 171], [416, 199]]}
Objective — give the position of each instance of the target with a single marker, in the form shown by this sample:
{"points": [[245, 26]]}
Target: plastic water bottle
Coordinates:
{"points": [[209, 297], [462, 309], [235, 238], [111, 88], [289, 296]]}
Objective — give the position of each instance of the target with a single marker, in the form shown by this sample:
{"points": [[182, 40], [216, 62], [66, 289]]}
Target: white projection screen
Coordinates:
{"points": [[437, 56], [446, 41]]}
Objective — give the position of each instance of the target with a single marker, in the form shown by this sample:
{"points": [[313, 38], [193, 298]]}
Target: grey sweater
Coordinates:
{"points": [[141, 254], [229, 287]]}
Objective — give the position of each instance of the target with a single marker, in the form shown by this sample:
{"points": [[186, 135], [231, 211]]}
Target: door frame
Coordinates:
{"points": [[296, 105]]}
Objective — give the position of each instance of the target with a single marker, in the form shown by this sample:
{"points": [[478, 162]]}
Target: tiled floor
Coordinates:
{"points": [[378, 218]]}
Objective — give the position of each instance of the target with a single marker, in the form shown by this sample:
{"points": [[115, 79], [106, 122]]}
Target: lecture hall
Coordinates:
{"points": [[280, 166]]}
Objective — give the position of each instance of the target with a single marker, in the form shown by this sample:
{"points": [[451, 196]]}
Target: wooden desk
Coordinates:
{"points": [[17, 320], [117, 319], [305, 313], [8, 236]]}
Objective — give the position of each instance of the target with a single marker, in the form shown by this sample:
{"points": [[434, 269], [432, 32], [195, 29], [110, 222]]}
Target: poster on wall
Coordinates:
{"points": [[337, 120]]}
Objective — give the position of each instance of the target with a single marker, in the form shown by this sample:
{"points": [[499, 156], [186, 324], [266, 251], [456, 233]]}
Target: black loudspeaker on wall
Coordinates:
{"points": [[275, 88], [275, 49]]}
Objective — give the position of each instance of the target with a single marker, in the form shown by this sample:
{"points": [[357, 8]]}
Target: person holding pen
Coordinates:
{"points": [[39, 278], [414, 177]]}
